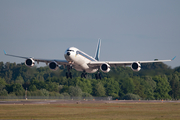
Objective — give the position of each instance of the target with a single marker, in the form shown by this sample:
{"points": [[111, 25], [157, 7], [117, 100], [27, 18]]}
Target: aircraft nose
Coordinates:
{"points": [[68, 53]]}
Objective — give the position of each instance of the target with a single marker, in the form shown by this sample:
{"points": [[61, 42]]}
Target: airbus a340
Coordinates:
{"points": [[81, 61]]}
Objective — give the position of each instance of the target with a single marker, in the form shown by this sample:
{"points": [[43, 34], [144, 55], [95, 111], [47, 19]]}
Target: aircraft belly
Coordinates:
{"points": [[91, 70], [88, 70], [81, 64]]}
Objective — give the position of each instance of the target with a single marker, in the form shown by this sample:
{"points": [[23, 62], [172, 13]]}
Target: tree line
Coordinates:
{"points": [[154, 81]]}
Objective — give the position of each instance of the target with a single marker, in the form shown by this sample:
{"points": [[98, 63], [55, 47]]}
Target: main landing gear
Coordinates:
{"points": [[83, 75], [68, 74], [98, 76]]}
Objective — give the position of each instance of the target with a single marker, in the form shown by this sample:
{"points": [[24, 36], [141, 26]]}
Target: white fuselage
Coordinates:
{"points": [[79, 60]]}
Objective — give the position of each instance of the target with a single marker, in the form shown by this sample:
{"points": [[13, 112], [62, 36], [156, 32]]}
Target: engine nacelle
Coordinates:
{"points": [[53, 65], [105, 67], [136, 66], [30, 62]]}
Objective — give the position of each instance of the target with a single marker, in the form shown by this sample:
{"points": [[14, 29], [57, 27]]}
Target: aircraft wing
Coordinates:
{"points": [[95, 64], [59, 62]]}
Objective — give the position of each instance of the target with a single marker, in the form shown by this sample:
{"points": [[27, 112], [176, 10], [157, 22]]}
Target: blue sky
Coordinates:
{"points": [[129, 29]]}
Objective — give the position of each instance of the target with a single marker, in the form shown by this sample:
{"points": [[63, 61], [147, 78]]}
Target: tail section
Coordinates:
{"points": [[98, 50]]}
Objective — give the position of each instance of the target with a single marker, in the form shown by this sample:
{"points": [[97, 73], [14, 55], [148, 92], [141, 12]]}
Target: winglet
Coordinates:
{"points": [[98, 50], [173, 58], [5, 52]]}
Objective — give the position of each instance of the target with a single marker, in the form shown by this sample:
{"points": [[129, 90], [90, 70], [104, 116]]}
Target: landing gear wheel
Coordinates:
{"points": [[83, 75], [98, 76], [68, 75]]}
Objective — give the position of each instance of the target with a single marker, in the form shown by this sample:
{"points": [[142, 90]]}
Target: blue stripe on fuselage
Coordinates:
{"points": [[86, 56]]}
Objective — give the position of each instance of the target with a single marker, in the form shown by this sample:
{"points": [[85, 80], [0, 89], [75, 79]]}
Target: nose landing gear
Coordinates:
{"points": [[68, 74]]}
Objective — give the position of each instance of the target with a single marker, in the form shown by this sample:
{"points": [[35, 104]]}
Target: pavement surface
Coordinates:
{"points": [[23, 102]]}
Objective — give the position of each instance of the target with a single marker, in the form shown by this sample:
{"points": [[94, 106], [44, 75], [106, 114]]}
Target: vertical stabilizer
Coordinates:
{"points": [[98, 50]]}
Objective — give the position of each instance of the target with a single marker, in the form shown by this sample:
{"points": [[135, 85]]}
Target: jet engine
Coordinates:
{"points": [[105, 67], [53, 65], [136, 66], [30, 62]]}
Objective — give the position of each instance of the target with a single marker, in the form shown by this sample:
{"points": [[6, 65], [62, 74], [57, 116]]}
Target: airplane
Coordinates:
{"points": [[81, 61]]}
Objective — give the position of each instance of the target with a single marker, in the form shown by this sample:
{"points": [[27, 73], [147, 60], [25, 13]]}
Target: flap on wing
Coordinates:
{"points": [[59, 62], [121, 63], [111, 63]]}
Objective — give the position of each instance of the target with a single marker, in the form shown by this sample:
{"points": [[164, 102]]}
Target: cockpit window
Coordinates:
{"points": [[71, 50]]}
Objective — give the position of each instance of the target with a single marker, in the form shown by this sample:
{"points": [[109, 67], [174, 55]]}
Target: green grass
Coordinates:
{"points": [[110, 111]]}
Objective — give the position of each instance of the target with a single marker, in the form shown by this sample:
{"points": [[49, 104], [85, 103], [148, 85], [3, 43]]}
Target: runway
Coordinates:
{"points": [[23, 102]]}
